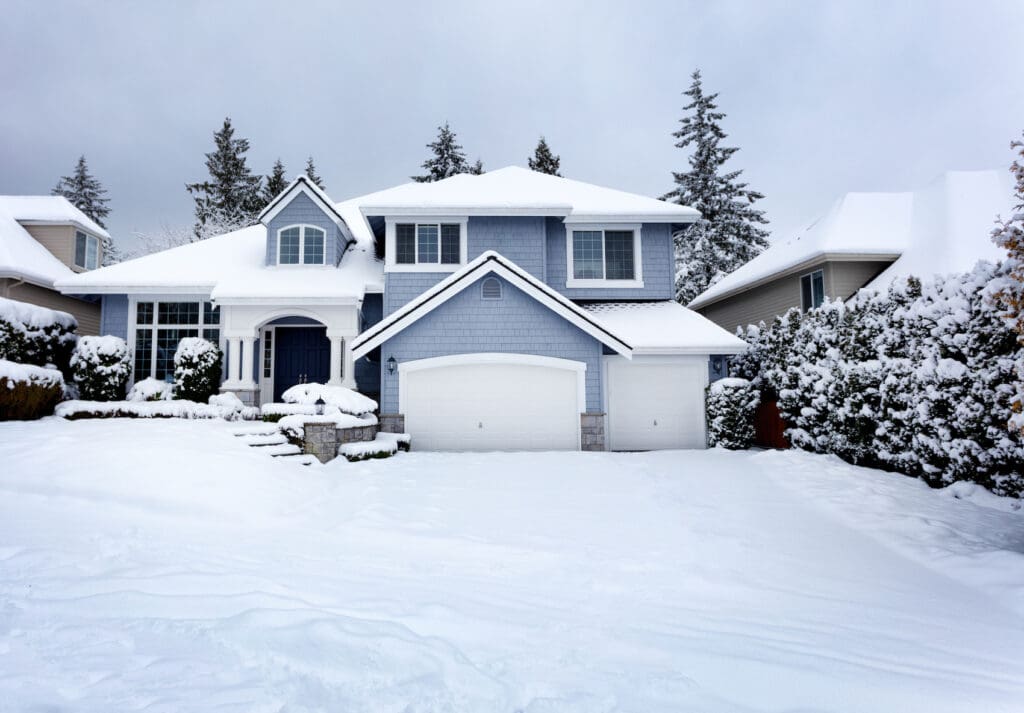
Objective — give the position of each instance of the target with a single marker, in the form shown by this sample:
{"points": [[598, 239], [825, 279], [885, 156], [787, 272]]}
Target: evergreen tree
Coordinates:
{"points": [[448, 159], [276, 182], [311, 173], [86, 193], [727, 234], [232, 197], [543, 161]]}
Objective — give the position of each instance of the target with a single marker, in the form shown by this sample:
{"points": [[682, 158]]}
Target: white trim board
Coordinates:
{"points": [[390, 247]]}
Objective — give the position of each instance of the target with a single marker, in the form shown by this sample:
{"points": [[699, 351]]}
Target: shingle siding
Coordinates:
{"points": [[114, 316], [468, 324], [656, 258], [302, 210], [521, 240]]}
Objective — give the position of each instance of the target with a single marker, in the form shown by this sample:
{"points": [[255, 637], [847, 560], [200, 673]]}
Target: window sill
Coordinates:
{"points": [[423, 267], [573, 283]]}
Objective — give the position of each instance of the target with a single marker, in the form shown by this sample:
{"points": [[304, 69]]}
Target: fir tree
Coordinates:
{"points": [[86, 193], [276, 182], [543, 161], [448, 159], [311, 173], [232, 197], [727, 234]]}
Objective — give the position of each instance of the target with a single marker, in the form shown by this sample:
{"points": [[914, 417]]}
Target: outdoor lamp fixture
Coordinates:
{"points": [[392, 364], [320, 403], [716, 364]]}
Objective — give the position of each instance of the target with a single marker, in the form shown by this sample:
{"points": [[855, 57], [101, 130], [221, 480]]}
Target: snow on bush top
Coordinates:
{"points": [[193, 348], [151, 389], [347, 400], [34, 316], [94, 349], [26, 373], [732, 382]]}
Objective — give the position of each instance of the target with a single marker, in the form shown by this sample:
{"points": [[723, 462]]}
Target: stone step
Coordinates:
{"points": [[264, 439], [253, 429], [284, 449]]}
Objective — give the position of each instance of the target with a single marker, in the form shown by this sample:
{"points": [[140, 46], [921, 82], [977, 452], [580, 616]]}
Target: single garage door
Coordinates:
{"points": [[492, 402], [655, 403]]}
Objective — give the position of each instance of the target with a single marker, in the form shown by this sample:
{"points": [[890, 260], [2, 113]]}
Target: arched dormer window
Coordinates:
{"points": [[490, 289], [305, 244]]}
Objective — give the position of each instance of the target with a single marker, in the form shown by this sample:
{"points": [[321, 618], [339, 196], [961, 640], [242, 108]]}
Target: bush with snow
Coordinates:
{"points": [[346, 400], [919, 379], [150, 389], [30, 334], [28, 391], [730, 408], [197, 369], [222, 406], [101, 367]]}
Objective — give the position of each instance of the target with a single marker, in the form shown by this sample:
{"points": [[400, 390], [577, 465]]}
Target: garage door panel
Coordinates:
{"points": [[655, 405], [492, 406]]}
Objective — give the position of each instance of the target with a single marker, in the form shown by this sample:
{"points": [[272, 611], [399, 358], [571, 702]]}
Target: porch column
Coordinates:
{"points": [[349, 371], [247, 362], [234, 356], [337, 345]]}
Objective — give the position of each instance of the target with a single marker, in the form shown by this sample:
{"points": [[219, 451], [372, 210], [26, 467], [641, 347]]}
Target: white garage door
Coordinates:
{"points": [[657, 402], [484, 402]]}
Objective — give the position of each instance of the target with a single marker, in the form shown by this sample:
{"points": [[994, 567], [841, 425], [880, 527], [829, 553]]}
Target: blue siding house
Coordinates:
{"points": [[509, 310]]}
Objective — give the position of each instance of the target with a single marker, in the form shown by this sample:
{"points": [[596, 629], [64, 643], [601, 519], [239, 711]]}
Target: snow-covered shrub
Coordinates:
{"points": [[101, 367], [730, 407], [150, 389], [28, 391], [30, 334], [365, 450], [197, 369], [176, 408], [346, 400]]}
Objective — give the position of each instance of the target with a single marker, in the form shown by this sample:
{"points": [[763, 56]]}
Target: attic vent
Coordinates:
{"points": [[491, 289]]}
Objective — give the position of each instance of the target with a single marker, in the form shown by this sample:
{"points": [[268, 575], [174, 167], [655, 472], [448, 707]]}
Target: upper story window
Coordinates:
{"points": [[812, 290], [603, 256], [303, 244], [426, 246], [87, 250]]}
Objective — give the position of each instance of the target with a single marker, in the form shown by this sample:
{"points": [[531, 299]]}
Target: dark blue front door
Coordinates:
{"points": [[301, 355]]}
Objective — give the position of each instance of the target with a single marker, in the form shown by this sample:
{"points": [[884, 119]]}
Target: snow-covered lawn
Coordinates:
{"points": [[165, 566]]}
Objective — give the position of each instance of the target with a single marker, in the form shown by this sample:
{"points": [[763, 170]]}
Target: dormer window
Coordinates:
{"points": [[303, 244], [87, 250]]}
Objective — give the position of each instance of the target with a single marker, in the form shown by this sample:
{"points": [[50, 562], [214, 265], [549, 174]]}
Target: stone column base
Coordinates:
{"points": [[592, 431], [321, 440], [392, 423]]}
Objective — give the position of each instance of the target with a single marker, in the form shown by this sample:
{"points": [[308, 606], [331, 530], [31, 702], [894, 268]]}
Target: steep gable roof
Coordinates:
{"points": [[301, 184]]}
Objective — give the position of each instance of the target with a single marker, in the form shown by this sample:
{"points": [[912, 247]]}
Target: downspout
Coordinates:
{"points": [[8, 286]]}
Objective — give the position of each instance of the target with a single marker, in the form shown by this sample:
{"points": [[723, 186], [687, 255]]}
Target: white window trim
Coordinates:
{"points": [[811, 274], [88, 239], [302, 245], [390, 243], [638, 278], [133, 326]]}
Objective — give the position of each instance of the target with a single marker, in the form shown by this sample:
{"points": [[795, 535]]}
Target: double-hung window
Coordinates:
{"points": [[604, 256], [159, 326], [812, 290], [301, 244], [427, 244], [87, 250]]}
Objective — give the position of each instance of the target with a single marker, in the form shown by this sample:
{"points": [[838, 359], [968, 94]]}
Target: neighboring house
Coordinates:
{"points": [[44, 239], [507, 310], [865, 241]]}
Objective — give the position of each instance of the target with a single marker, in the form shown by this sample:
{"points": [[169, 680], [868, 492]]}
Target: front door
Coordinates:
{"points": [[302, 355]]}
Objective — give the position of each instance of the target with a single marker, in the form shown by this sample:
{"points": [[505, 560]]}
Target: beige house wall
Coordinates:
{"points": [[60, 240], [87, 313]]}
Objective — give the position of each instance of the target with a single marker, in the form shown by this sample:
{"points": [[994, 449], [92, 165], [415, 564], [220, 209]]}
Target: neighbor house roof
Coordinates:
{"points": [[943, 227], [519, 191], [22, 256], [664, 327]]}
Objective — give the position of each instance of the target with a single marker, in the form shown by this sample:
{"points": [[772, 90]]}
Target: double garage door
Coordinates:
{"points": [[480, 402]]}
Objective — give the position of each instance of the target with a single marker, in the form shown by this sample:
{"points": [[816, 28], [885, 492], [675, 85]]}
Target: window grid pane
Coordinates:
{"points": [[289, 248], [144, 313], [818, 286], [618, 245], [451, 253], [211, 314], [405, 244], [426, 239], [587, 255], [313, 250], [166, 345], [178, 313], [91, 253], [268, 351], [143, 353], [80, 241], [212, 336]]}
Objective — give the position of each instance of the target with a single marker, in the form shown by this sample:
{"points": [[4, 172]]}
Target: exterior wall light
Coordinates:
{"points": [[392, 365], [320, 403]]}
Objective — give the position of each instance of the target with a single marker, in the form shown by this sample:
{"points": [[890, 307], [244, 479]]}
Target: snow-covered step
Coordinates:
{"points": [[264, 439], [300, 458], [253, 429], [284, 449]]}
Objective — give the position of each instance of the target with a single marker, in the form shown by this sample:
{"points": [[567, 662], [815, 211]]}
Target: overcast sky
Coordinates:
{"points": [[820, 98]]}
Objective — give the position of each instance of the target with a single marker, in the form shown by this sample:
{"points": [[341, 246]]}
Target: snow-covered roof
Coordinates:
{"points": [[943, 227], [519, 191], [22, 256], [301, 184], [232, 267], [664, 328]]}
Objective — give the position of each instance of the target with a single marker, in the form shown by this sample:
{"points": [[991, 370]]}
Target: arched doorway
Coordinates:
{"points": [[294, 350]]}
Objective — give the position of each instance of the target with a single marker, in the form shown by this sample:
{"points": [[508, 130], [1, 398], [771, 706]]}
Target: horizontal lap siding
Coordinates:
{"points": [[86, 313], [302, 210], [468, 324]]}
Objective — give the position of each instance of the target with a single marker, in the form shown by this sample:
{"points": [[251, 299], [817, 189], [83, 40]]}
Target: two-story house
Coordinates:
{"points": [[502, 311], [44, 239]]}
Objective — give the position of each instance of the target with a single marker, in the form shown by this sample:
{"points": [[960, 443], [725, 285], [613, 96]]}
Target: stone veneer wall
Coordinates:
{"points": [[392, 423], [592, 431], [320, 440]]}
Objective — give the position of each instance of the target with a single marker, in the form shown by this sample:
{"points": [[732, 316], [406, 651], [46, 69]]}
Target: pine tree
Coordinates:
{"points": [[727, 234], [311, 173], [448, 159], [86, 193], [232, 198], [543, 161], [276, 182], [1008, 292]]}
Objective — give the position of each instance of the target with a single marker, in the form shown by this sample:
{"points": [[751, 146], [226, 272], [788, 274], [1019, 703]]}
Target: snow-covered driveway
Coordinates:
{"points": [[164, 566]]}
